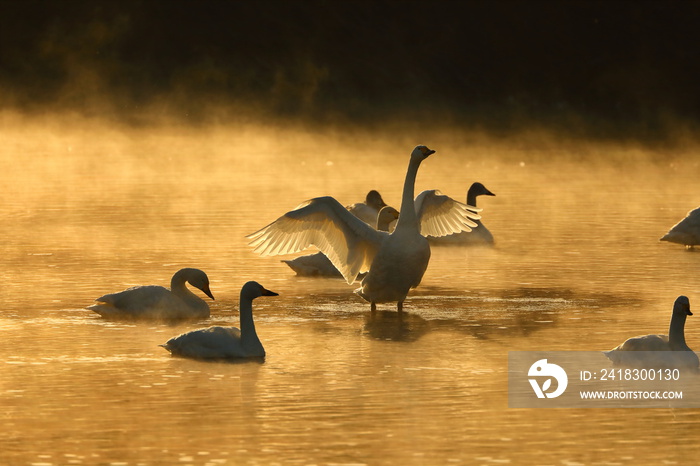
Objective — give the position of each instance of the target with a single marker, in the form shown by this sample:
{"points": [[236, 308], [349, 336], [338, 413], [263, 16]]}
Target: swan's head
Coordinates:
{"points": [[682, 306], [421, 153], [374, 199], [478, 189], [199, 279], [252, 290], [387, 215]]}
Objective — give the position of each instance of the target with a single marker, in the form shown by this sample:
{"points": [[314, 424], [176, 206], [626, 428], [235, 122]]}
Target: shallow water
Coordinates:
{"points": [[577, 266]]}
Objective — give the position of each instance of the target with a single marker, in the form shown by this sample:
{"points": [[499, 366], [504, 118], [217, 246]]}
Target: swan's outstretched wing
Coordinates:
{"points": [[364, 212], [322, 222], [440, 215]]}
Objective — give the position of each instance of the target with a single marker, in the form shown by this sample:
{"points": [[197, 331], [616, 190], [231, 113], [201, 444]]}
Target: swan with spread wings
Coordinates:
{"points": [[395, 261]]}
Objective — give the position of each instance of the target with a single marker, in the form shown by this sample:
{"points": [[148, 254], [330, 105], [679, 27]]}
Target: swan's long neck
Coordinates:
{"points": [[178, 287], [383, 223], [676, 332], [471, 198], [248, 334], [407, 216]]}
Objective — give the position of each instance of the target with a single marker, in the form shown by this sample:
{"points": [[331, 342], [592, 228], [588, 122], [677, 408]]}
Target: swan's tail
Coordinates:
{"points": [[613, 355]]}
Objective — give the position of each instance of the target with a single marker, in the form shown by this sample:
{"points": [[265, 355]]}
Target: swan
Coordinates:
{"points": [[319, 265], [687, 231], [225, 342], [367, 211], [396, 261], [480, 235], [157, 302], [668, 350]]}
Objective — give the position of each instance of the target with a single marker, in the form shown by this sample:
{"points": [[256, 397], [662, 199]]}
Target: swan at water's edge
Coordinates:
{"points": [[157, 302], [651, 351], [396, 262], [686, 232], [480, 235], [225, 342]]}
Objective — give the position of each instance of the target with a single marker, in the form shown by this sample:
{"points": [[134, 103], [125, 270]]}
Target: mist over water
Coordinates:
{"points": [[142, 137], [92, 208]]}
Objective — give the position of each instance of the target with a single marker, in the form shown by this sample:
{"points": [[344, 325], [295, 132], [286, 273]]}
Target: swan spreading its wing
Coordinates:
{"points": [[323, 222], [440, 215], [395, 262]]}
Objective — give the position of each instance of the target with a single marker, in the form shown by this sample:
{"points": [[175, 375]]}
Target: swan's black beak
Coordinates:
{"points": [[269, 293], [208, 292]]}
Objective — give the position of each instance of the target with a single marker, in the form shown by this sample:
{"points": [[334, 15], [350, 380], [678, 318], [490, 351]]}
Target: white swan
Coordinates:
{"points": [[225, 342], [480, 235], [687, 231], [369, 210], [319, 265], [396, 261], [659, 350], [157, 302]]}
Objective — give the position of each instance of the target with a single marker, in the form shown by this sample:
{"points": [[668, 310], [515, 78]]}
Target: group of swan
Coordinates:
{"points": [[319, 265], [157, 302], [665, 350], [652, 351], [395, 262]]}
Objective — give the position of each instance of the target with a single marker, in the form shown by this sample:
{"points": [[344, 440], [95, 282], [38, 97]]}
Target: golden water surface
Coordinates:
{"points": [[88, 209]]}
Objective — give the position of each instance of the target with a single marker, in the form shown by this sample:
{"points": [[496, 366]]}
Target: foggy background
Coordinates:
{"points": [[594, 69]]}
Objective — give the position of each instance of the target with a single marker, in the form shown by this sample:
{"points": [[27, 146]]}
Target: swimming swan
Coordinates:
{"points": [[396, 261], [687, 231], [157, 302], [224, 342], [367, 211], [659, 350], [480, 235], [319, 265]]}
